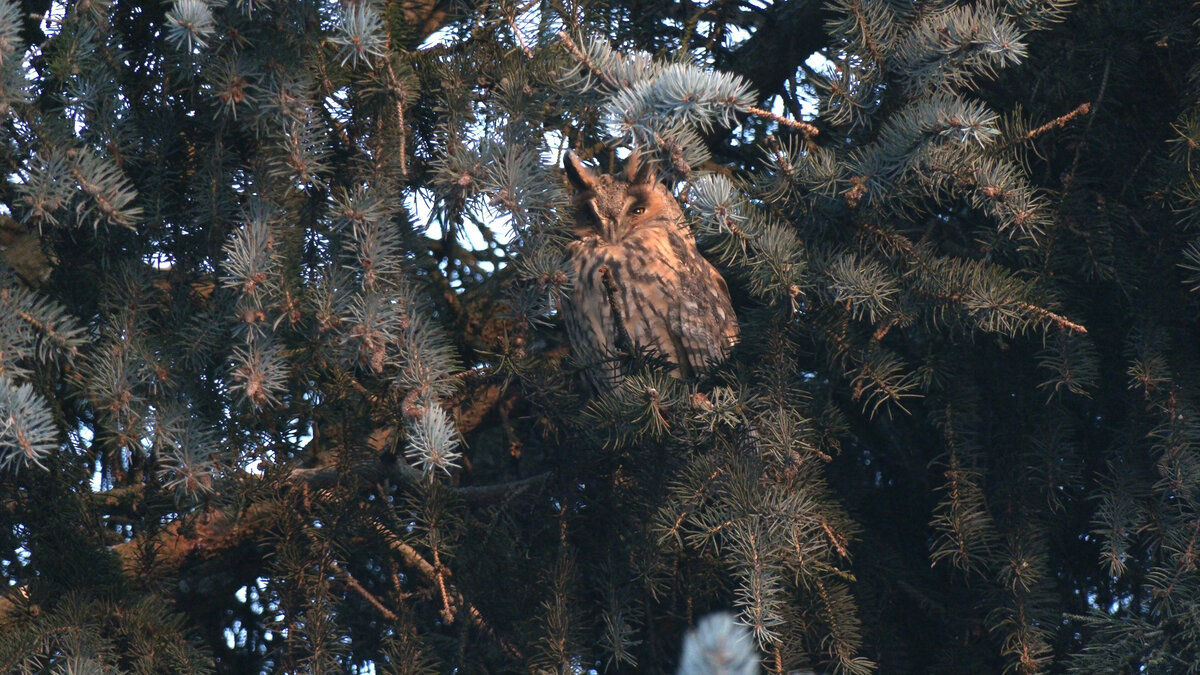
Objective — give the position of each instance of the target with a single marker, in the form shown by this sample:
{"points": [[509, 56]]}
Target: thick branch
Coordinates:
{"points": [[228, 535], [427, 16], [403, 474], [789, 33]]}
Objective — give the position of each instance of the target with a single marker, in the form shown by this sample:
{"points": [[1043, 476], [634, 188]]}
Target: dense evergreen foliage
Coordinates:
{"points": [[284, 385]]}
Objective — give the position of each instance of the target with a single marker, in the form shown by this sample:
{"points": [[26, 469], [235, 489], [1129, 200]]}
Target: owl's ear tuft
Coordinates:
{"points": [[639, 171], [581, 177]]}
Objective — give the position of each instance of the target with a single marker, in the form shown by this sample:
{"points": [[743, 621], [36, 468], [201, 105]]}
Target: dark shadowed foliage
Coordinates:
{"points": [[285, 385]]}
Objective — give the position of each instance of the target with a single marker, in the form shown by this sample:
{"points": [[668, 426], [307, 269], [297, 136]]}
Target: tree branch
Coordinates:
{"points": [[430, 573], [611, 82], [403, 474], [789, 33]]}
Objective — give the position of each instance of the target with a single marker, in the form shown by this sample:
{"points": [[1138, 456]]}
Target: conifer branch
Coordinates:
{"points": [[512, 24], [1069, 177], [397, 90], [839, 542], [905, 246], [611, 82], [209, 535], [451, 595], [865, 34], [213, 532], [439, 575], [65, 342], [1061, 321], [403, 474], [355, 586], [1056, 123], [575, 51], [674, 530], [332, 314], [805, 128]]}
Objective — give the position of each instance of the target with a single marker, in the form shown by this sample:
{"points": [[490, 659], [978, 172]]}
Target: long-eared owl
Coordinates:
{"points": [[635, 263]]}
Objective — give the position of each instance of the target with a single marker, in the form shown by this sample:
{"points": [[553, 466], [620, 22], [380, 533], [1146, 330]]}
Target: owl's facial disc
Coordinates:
{"points": [[612, 206]]}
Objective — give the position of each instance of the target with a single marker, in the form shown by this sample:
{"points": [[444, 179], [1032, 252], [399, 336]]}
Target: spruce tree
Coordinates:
{"points": [[284, 385]]}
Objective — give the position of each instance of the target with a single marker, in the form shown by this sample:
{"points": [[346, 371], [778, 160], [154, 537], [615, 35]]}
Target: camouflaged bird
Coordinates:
{"points": [[638, 276]]}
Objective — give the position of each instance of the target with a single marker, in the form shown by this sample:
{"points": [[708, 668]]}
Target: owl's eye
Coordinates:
{"points": [[638, 210]]}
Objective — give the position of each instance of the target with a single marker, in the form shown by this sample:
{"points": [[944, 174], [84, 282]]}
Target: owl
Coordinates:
{"points": [[638, 277]]}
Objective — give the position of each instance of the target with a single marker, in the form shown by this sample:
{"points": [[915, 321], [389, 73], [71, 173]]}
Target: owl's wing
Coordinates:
{"points": [[649, 286], [705, 322]]}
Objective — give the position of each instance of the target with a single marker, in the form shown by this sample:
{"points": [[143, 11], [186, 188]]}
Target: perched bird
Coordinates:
{"points": [[639, 278]]}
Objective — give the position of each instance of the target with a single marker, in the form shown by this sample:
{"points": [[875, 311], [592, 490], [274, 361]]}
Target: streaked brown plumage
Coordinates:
{"points": [[669, 299]]}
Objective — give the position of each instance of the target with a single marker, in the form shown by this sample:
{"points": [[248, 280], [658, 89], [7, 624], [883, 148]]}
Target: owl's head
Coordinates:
{"points": [[614, 205]]}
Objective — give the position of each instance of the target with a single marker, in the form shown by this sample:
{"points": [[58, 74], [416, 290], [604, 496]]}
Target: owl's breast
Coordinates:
{"points": [[651, 263]]}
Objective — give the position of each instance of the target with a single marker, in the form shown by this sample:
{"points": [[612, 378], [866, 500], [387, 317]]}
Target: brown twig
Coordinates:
{"points": [[1060, 122], [1058, 320], [1056, 123], [451, 594], [804, 127], [514, 441], [366, 595], [236, 538], [439, 573], [882, 331], [607, 79], [512, 24], [397, 90]]}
